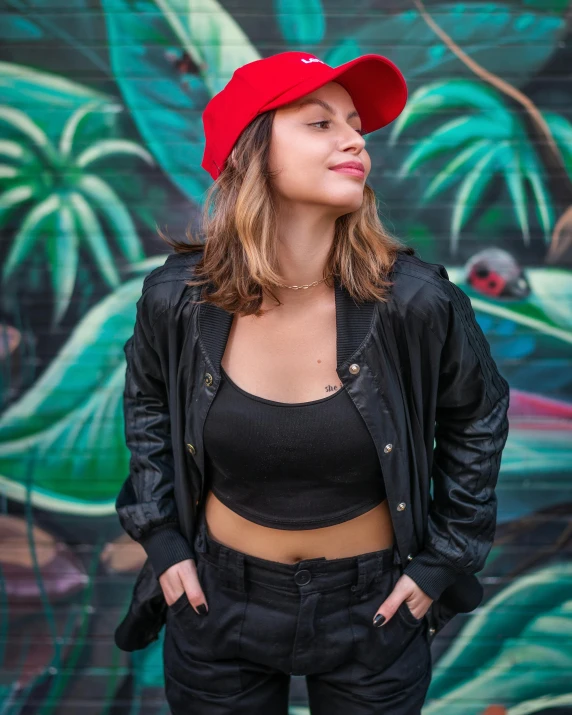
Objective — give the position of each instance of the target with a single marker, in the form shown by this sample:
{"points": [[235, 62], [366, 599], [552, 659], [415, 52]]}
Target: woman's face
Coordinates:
{"points": [[309, 137]]}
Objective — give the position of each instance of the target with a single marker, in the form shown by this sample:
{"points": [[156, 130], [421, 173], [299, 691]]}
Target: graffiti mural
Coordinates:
{"points": [[101, 143]]}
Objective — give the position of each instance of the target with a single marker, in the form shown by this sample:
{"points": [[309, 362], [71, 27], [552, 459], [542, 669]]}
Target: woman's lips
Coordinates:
{"points": [[350, 170]]}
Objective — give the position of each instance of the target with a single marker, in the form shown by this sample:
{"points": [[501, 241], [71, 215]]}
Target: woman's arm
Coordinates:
{"points": [[145, 504], [471, 431]]}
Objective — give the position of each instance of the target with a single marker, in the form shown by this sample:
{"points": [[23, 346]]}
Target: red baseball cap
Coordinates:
{"points": [[376, 86]]}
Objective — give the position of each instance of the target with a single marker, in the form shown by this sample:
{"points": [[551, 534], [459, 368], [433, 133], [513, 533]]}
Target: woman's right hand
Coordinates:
{"points": [[182, 578]]}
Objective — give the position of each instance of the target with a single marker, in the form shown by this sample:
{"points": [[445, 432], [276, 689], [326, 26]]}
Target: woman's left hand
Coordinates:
{"points": [[405, 589]]}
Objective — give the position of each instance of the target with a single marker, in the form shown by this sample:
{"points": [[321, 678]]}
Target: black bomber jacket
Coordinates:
{"points": [[419, 370]]}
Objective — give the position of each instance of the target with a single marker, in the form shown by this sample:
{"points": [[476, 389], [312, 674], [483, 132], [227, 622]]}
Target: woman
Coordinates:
{"points": [[291, 563]]}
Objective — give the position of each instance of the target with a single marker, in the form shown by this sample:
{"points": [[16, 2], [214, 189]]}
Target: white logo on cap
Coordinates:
{"points": [[313, 59]]}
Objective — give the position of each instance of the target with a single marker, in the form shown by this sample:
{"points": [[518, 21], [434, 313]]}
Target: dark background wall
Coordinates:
{"points": [[101, 141]]}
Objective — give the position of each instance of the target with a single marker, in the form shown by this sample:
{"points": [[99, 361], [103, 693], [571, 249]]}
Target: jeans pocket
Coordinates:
{"points": [[407, 615], [378, 647], [181, 603], [217, 632], [202, 653]]}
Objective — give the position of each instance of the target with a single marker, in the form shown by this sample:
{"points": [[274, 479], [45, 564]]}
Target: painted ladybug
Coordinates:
{"points": [[496, 274]]}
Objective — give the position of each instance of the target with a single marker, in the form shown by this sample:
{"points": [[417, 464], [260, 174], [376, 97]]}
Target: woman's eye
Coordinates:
{"points": [[327, 121]]}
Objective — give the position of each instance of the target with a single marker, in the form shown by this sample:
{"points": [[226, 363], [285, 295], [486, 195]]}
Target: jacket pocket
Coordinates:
{"points": [[438, 615], [146, 614]]}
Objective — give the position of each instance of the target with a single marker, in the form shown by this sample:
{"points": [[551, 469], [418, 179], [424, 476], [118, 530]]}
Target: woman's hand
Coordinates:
{"points": [[405, 589], [182, 578]]}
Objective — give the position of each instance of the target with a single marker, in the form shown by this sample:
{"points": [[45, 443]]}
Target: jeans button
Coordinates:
{"points": [[302, 577]]}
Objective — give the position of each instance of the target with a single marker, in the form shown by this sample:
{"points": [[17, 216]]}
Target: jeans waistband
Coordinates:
{"points": [[236, 568]]}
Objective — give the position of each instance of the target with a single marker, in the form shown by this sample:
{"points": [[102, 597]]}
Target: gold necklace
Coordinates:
{"points": [[309, 285]]}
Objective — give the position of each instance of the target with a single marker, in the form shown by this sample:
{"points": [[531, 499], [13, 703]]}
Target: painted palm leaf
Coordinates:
{"points": [[487, 140], [56, 190]]}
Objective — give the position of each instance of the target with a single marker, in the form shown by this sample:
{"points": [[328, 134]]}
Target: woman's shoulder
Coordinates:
{"points": [[422, 289], [417, 280], [165, 287], [414, 267], [176, 268]]}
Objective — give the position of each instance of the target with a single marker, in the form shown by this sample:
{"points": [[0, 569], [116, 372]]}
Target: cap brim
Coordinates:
{"points": [[375, 84]]}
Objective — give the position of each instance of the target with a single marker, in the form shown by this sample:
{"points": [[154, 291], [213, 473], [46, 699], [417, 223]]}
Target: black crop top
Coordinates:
{"points": [[300, 465]]}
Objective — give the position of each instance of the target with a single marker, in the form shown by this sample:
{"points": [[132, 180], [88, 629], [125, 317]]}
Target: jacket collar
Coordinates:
{"points": [[353, 322]]}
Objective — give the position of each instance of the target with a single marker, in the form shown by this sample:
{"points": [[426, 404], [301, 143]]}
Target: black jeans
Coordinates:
{"points": [[268, 620]]}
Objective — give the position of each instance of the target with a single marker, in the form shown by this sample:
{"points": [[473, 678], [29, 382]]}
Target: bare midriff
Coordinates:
{"points": [[289, 355], [371, 531]]}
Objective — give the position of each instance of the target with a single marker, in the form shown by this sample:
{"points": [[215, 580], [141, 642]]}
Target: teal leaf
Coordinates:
{"points": [[11, 199], [95, 239], [562, 132], [68, 427], [72, 36], [509, 162], [22, 124], [31, 91], [63, 250], [72, 123], [27, 234], [347, 49], [12, 150], [145, 39], [111, 147], [452, 135], [513, 648], [16, 28], [451, 172], [469, 194], [552, 6], [302, 22], [492, 34], [116, 214], [551, 290], [434, 97], [8, 172], [542, 200]]}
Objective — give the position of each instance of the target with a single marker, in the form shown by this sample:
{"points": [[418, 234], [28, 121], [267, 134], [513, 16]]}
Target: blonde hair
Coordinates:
{"points": [[239, 228]]}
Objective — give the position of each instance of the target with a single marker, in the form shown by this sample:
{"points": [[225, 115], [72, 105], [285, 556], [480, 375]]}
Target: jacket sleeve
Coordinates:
{"points": [[471, 429], [145, 505]]}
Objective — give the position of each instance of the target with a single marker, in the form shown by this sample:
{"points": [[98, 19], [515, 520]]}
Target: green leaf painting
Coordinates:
{"points": [[145, 40], [48, 99], [57, 185], [68, 427], [513, 649], [302, 22], [490, 33], [487, 140]]}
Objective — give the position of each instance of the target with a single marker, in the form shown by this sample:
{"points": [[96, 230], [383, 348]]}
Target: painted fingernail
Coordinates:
{"points": [[379, 620], [202, 609]]}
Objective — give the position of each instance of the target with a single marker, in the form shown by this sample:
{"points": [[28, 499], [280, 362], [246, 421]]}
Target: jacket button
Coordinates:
{"points": [[191, 448], [354, 368], [208, 378], [409, 557], [388, 448], [431, 631], [401, 506]]}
